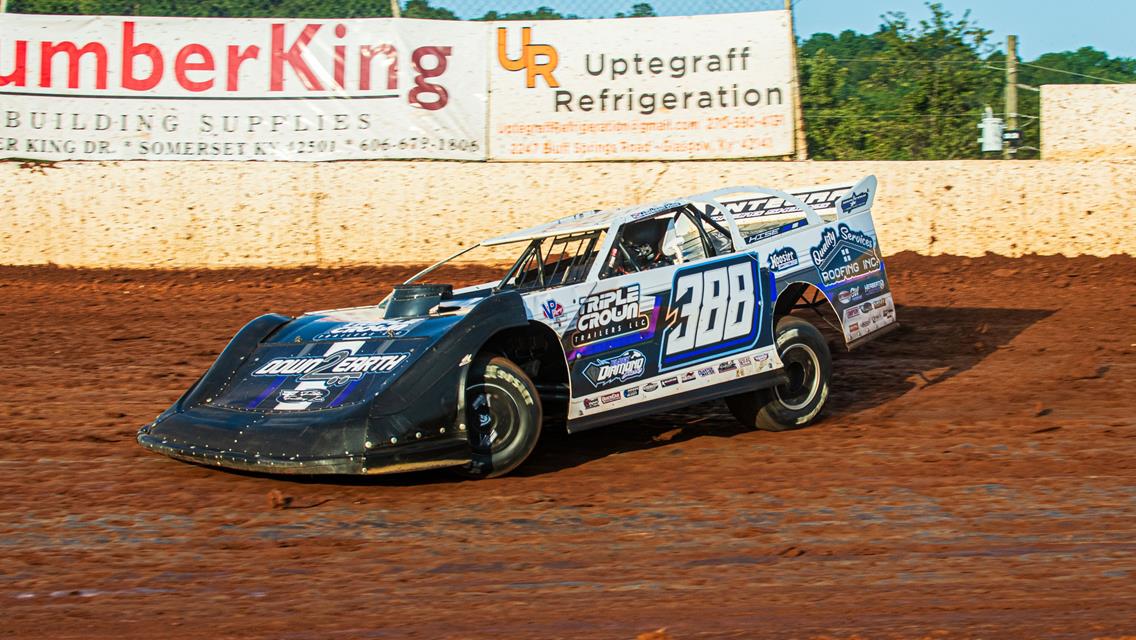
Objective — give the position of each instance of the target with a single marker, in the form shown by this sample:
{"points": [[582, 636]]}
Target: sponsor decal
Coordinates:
{"points": [[775, 231], [363, 330], [688, 376], [591, 403], [706, 371], [879, 304], [728, 365], [866, 307], [670, 382], [844, 296], [852, 312], [609, 314], [610, 397], [874, 285], [659, 208], [820, 200], [552, 309], [650, 386], [302, 395], [844, 254], [631, 393], [783, 259], [761, 358], [853, 201], [628, 365], [337, 368], [854, 327]]}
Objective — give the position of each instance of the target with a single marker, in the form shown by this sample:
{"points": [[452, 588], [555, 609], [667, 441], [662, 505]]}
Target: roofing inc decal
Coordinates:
{"points": [[844, 254], [110, 87], [619, 89]]}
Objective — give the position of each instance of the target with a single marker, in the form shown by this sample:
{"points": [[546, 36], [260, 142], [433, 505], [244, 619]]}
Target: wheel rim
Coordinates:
{"points": [[802, 366], [494, 416]]}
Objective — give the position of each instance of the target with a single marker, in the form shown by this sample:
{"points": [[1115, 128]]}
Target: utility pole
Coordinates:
{"points": [[1011, 91], [396, 11], [801, 143]]}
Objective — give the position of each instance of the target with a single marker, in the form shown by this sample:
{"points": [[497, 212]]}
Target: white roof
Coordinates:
{"points": [[585, 221]]}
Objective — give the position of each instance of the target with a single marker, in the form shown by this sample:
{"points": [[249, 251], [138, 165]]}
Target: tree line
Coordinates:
{"points": [[912, 90]]}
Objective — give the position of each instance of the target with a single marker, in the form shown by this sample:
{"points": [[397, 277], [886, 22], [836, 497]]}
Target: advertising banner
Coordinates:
{"points": [[110, 88], [716, 86]]}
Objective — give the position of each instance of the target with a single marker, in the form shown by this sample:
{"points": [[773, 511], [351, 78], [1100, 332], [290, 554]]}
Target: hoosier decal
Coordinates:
{"points": [[844, 254], [337, 368], [609, 314], [782, 259], [628, 365]]}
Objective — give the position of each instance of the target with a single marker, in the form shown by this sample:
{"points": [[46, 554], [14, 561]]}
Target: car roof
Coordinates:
{"points": [[587, 221]]}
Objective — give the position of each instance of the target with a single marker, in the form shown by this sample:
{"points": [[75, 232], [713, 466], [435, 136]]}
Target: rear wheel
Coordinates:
{"points": [[503, 417], [795, 404]]}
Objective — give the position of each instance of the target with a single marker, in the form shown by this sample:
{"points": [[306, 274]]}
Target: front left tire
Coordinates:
{"points": [[503, 417]]}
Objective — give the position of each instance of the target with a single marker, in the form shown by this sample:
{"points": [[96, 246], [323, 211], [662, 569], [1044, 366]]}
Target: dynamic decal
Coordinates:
{"points": [[610, 314], [337, 368], [844, 254], [783, 259], [715, 311], [364, 330], [629, 365]]}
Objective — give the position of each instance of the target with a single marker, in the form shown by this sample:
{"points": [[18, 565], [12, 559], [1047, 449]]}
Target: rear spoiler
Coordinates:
{"points": [[838, 200]]}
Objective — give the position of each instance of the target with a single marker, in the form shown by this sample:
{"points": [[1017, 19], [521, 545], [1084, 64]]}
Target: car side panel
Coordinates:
{"points": [[644, 339]]}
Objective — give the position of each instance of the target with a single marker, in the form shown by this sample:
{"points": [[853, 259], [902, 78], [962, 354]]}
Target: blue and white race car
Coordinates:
{"points": [[603, 316]]}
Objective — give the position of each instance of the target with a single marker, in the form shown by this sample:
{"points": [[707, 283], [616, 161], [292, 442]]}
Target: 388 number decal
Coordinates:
{"points": [[716, 310]]}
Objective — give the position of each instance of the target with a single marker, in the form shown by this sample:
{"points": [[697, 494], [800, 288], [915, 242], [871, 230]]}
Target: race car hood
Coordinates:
{"points": [[332, 386], [331, 359]]}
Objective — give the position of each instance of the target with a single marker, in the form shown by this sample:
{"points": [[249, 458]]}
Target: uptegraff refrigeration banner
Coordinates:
{"points": [[715, 86], [109, 88], [103, 88]]}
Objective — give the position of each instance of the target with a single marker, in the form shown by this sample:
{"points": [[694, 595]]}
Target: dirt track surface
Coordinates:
{"points": [[975, 477]]}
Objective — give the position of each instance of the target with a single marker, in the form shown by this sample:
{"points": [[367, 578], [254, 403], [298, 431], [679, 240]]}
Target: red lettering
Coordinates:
{"points": [[129, 52], [293, 56], [441, 97], [366, 52], [48, 51], [182, 66], [19, 74], [236, 58]]}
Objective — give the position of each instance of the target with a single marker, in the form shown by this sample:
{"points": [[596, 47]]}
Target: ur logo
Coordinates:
{"points": [[528, 59]]}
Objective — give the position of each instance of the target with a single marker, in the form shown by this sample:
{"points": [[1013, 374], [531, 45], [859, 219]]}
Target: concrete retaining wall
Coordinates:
{"points": [[203, 214], [1088, 121]]}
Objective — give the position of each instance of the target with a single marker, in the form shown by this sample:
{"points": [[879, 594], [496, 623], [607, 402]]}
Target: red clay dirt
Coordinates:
{"points": [[974, 477]]}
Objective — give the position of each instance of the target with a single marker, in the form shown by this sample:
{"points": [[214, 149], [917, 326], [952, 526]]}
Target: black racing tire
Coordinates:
{"points": [[796, 404], [502, 416]]}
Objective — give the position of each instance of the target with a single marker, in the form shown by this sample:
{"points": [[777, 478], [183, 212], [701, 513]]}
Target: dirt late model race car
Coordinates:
{"points": [[603, 317]]}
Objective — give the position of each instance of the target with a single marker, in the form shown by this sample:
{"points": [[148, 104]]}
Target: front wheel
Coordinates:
{"points": [[795, 404], [502, 416]]}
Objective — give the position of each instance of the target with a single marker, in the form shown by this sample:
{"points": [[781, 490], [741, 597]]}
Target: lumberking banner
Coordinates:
{"points": [[717, 86], [107, 88]]}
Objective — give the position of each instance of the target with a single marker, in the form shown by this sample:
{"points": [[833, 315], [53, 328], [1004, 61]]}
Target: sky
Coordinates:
{"points": [[1042, 26]]}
